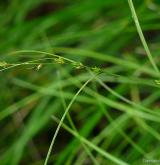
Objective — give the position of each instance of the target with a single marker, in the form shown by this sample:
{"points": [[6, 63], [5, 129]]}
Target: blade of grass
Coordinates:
{"points": [[143, 40], [62, 119], [72, 123], [96, 148]]}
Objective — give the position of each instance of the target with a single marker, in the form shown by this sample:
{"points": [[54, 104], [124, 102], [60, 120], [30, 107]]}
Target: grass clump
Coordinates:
{"points": [[81, 65]]}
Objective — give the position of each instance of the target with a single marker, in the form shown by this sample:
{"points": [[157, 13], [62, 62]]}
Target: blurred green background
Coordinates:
{"points": [[118, 112]]}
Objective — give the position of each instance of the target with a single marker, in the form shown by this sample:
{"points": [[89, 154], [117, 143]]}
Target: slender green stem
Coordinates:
{"points": [[92, 145], [136, 105], [143, 40], [73, 125], [41, 52], [62, 119], [30, 62]]}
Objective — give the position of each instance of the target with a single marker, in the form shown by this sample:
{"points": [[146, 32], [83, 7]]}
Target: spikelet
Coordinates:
{"points": [[59, 60], [96, 70], [39, 67], [78, 65], [3, 64], [157, 82]]}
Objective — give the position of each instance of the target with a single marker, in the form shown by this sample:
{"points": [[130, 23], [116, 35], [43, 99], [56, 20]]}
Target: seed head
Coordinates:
{"points": [[78, 65], [59, 60], [39, 67], [96, 70], [157, 82], [3, 64]]}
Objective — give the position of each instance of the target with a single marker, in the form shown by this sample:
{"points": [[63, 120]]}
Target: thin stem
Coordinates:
{"points": [[30, 62], [92, 145], [143, 40], [73, 125], [62, 119], [41, 52]]}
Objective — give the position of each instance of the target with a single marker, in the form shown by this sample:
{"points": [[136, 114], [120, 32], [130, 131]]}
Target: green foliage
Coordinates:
{"points": [[79, 82]]}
